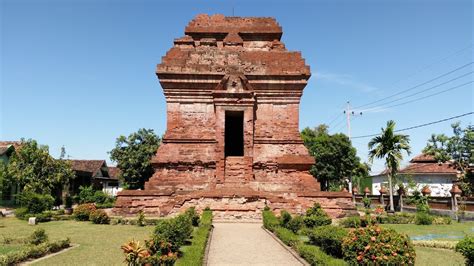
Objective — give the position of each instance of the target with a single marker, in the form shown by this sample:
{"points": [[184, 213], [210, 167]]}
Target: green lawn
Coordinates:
{"points": [[99, 244], [439, 232], [437, 257]]}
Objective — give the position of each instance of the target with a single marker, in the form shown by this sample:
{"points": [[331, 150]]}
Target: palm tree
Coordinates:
{"points": [[390, 146]]}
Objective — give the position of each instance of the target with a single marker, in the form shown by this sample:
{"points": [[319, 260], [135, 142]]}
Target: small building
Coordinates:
{"points": [[7, 148], [112, 185], [94, 173], [423, 170]]}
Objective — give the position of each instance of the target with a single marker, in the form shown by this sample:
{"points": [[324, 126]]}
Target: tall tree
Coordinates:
{"points": [[390, 146], [31, 168], [133, 155], [459, 148], [335, 157]]}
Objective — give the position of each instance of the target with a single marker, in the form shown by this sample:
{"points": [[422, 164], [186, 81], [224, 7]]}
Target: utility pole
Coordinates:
{"points": [[349, 113]]}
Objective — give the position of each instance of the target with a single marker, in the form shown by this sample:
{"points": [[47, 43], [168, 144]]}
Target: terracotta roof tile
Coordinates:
{"points": [[89, 166], [114, 172]]}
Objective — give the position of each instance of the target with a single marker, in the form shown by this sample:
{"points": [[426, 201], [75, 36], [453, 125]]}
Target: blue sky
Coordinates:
{"points": [[81, 73]]}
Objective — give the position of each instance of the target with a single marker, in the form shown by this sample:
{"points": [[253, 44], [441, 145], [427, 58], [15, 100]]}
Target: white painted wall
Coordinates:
{"points": [[439, 184]]}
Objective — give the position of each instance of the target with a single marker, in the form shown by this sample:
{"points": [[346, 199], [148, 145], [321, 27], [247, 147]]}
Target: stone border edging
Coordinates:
{"points": [[289, 249], [29, 262], [208, 247]]}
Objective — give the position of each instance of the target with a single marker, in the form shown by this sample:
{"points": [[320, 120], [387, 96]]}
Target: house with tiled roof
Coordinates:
{"points": [[7, 148], [424, 170], [94, 173]]}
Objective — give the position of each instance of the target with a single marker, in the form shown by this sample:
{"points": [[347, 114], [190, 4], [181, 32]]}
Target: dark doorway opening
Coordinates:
{"points": [[234, 133]]}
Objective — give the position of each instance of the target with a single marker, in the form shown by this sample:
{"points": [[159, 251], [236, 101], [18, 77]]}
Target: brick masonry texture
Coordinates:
{"points": [[222, 66]]}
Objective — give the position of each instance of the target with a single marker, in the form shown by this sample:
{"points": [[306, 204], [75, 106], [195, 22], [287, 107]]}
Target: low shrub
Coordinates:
{"points": [[367, 202], [36, 203], [295, 224], [442, 220], [466, 248], [286, 236], [174, 231], [270, 221], [368, 220], [106, 205], [316, 216], [351, 222], [329, 238], [21, 213], [314, 221], [435, 244], [141, 218], [423, 218], [38, 236], [374, 245], [99, 217], [83, 211], [192, 215], [315, 256], [33, 252], [398, 218], [194, 254], [285, 218]]}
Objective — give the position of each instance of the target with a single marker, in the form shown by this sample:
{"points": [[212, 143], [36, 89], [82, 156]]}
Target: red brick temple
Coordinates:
{"points": [[232, 141]]}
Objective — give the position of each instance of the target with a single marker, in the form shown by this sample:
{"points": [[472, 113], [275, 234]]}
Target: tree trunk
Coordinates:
{"points": [[390, 192]]}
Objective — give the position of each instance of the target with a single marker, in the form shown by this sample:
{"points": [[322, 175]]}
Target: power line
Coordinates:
{"points": [[419, 92], [418, 126], [424, 97], [416, 86]]}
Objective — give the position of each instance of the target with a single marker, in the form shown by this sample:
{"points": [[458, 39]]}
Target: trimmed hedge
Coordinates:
{"points": [[34, 252], [194, 254], [329, 238], [287, 236], [270, 221], [314, 256], [99, 217]]}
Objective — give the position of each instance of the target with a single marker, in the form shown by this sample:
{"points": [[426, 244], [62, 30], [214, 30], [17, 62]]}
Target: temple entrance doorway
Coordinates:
{"points": [[234, 133]]}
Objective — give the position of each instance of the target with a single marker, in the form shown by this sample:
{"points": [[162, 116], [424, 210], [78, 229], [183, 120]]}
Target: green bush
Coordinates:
{"points": [[36, 203], [141, 218], [442, 220], [21, 213], [86, 194], [286, 236], [351, 222], [194, 254], [295, 224], [192, 214], [270, 221], [314, 256], [466, 248], [376, 246], [38, 236], [99, 217], [82, 212], [316, 216], [397, 218], [285, 218], [174, 231], [33, 252], [314, 221], [45, 216], [100, 197], [367, 202], [329, 238], [423, 218]]}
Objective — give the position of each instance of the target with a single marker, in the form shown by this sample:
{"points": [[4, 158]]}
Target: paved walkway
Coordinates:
{"points": [[246, 244]]}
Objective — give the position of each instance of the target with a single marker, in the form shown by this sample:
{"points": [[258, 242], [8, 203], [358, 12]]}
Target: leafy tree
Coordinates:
{"points": [[335, 157], [133, 155], [390, 146], [459, 149], [32, 169]]}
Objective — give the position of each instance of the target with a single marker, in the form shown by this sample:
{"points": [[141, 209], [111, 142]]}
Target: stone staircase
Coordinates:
{"points": [[238, 171]]}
